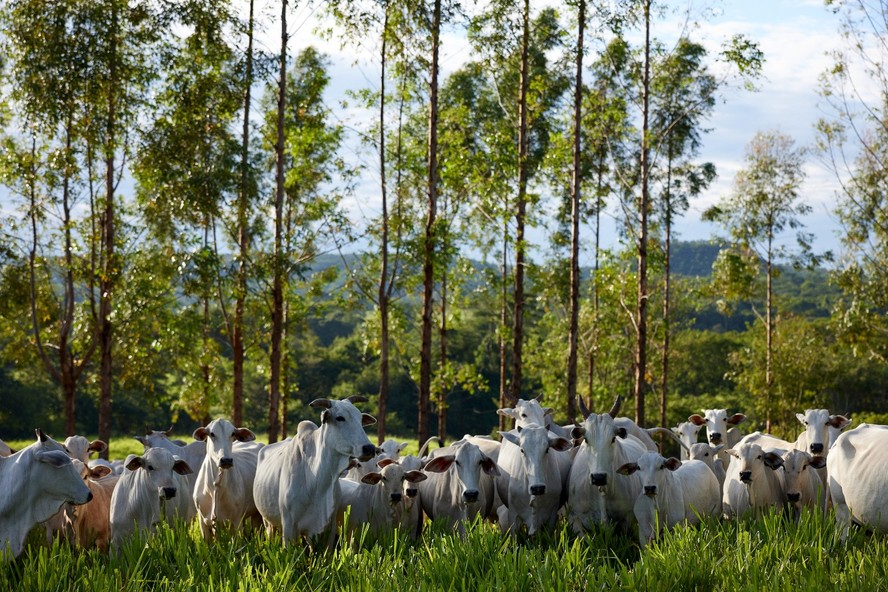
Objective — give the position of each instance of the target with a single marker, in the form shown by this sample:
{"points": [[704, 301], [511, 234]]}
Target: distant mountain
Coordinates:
{"points": [[693, 258]]}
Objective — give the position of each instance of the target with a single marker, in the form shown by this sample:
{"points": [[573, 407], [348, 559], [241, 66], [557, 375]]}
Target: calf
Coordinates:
{"points": [[459, 485], [35, 483], [378, 499], [802, 484], [752, 482], [151, 489], [80, 448], [708, 455], [193, 454], [223, 492], [297, 481], [92, 521], [531, 481], [673, 492]]}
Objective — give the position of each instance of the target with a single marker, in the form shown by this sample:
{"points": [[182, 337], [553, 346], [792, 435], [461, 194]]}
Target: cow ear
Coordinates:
{"points": [[548, 411], [367, 419], [99, 471], [134, 462], [97, 446], [732, 452], [773, 461], [578, 432], [325, 403], [439, 464], [489, 467], [560, 444], [697, 420], [244, 435], [621, 433], [672, 463], [507, 413], [402, 446], [628, 468], [141, 440], [200, 434], [737, 418], [818, 462], [181, 467], [839, 421], [511, 438], [385, 462], [56, 458], [801, 418], [717, 449], [371, 478], [415, 476]]}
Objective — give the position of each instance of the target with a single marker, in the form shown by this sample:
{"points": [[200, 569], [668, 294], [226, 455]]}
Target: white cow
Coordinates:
{"points": [[92, 521], [35, 483], [531, 483], [709, 456], [223, 492], [673, 492], [193, 453], [412, 517], [80, 448], [687, 432], [388, 449], [720, 429], [460, 484], [858, 479], [803, 486], [378, 500], [297, 481], [151, 489], [596, 492], [752, 482], [529, 411]]}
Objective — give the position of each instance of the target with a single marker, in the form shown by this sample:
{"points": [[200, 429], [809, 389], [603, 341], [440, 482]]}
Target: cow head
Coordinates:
{"points": [[704, 452], [753, 461], [817, 424], [527, 412], [717, 423], [534, 443], [687, 432], [795, 465], [158, 465], [392, 477], [469, 462], [600, 433], [53, 472], [220, 436], [650, 467], [344, 426], [80, 448]]}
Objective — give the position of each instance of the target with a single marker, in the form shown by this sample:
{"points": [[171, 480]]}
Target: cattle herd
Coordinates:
{"points": [[330, 476]]}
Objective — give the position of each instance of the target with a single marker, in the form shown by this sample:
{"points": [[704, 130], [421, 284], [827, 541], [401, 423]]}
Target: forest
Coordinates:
{"points": [[190, 229]]}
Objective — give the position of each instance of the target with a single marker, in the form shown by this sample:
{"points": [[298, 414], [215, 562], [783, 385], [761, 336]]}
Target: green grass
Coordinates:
{"points": [[767, 554]]}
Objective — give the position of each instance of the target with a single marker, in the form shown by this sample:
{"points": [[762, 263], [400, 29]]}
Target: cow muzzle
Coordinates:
{"points": [[715, 438], [599, 479], [817, 448], [793, 497], [650, 490], [412, 492], [226, 463], [537, 489], [746, 476], [470, 496], [168, 492], [368, 451], [395, 498]]}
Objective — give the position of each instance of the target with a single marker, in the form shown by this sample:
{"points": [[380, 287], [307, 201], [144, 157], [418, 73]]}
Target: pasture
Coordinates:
{"points": [[770, 553]]}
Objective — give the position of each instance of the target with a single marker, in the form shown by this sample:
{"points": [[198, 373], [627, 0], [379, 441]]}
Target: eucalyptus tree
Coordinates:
{"points": [[853, 143], [766, 201], [187, 172]]}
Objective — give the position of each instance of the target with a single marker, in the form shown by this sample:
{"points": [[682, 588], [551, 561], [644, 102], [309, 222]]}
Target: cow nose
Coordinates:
{"points": [[793, 497], [89, 497], [537, 489], [650, 490], [746, 476], [226, 463], [817, 448], [368, 451], [715, 437], [169, 492], [471, 495], [599, 479], [412, 491]]}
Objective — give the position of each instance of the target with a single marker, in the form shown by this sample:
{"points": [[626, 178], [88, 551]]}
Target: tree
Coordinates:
{"points": [[766, 201]]}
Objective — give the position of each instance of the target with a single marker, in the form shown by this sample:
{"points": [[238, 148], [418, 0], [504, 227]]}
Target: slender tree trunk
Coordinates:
{"points": [[573, 337], [442, 395], [521, 210], [383, 297], [504, 320], [769, 335], [428, 275], [667, 286], [243, 243], [277, 310], [593, 351], [107, 282], [643, 207]]}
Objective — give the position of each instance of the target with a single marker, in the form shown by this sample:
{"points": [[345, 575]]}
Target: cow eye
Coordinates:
{"points": [[212, 435], [524, 415], [150, 468], [340, 418], [522, 451]]}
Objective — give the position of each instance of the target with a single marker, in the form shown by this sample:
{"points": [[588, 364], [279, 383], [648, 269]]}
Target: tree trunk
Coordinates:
{"points": [[574, 330], [769, 334], [521, 209], [277, 305], [504, 319], [428, 275], [643, 207], [243, 243], [383, 295], [442, 395], [667, 286]]}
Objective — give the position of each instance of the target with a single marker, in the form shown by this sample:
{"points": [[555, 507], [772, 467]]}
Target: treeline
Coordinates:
{"points": [[172, 183]]}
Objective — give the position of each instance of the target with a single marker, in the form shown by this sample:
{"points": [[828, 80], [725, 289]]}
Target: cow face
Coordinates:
{"points": [[80, 448], [220, 436], [795, 465], [345, 425], [469, 462], [817, 424], [158, 465], [717, 423], [392, 478], [754, 461], [526, 413], [600, 434], [650, 467], [56, 477], [704, 452], [534, 443], [687, 432]]}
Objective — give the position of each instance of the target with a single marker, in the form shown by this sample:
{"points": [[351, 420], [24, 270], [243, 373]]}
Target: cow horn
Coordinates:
{"points": [[583, 409], [616, 408], [510, 396], [148, 431], [325, 403], [169, 432], [40, 435], [538, 398], [357, 399]]}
